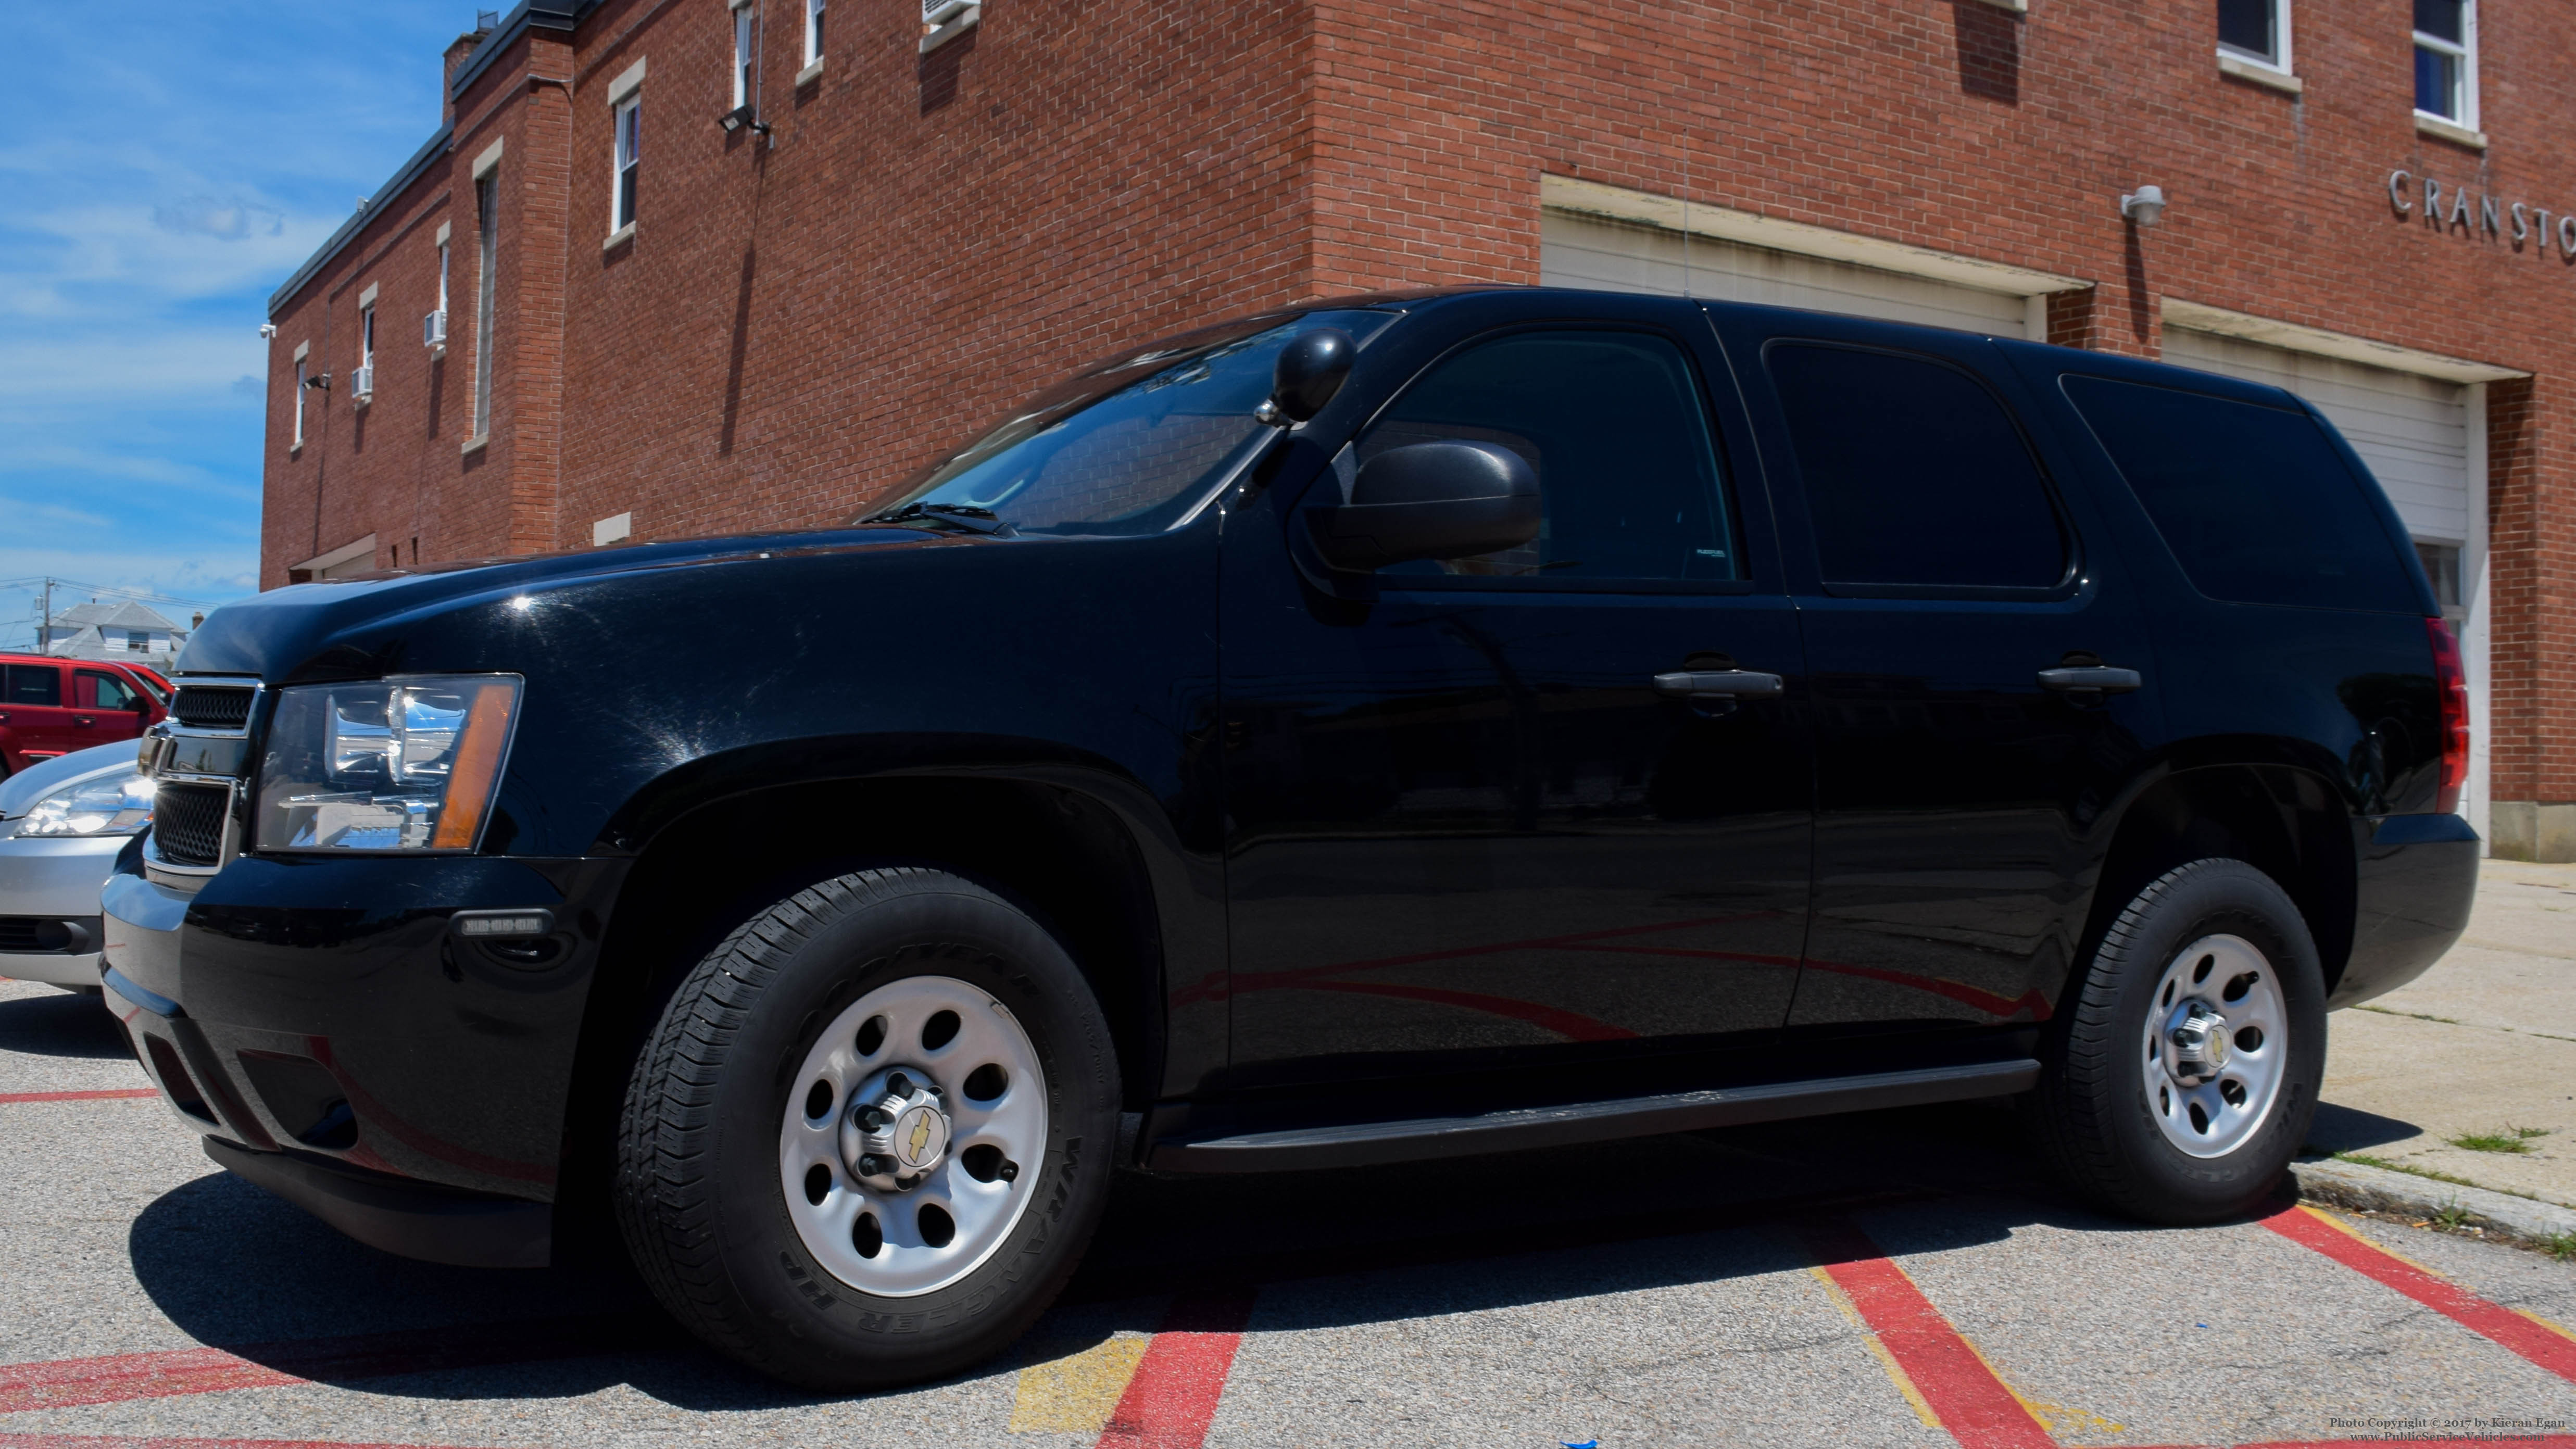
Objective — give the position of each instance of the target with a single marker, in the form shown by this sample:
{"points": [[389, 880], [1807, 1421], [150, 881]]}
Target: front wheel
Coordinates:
{"points": [[872, 1133], [2182, 1075]]}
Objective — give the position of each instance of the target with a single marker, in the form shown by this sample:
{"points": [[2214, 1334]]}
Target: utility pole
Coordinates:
{"points": [[45, 630]]}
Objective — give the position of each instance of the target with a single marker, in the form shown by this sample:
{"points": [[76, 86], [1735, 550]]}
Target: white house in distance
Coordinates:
{"points": [[113, 631]]}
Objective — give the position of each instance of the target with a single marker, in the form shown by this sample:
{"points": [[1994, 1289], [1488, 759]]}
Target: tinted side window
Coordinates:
{"points": [[1613, 425], [1914, 473], [35, 684], [2253, 500]]}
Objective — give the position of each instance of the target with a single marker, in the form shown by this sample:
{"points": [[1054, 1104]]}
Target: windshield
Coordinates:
{"points": [[1128, 446]]}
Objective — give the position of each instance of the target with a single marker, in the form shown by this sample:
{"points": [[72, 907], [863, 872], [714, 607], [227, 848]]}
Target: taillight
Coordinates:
{"points": [[2454, 689]]}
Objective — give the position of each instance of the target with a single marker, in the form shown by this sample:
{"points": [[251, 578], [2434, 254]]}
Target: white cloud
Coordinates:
{"points": [[105, 367], [223, 220], [123, 467]]}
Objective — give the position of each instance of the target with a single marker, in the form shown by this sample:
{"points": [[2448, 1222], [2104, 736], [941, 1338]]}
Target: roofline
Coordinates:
{"points": [[537, 14], [420, 160], [529, 14]]}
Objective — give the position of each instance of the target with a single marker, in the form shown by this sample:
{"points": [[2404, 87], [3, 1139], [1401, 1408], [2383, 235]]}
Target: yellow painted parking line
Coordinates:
{"points": [[1076, 1393]]}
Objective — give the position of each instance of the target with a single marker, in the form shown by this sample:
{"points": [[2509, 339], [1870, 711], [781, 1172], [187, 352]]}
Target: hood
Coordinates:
{"points": [[300, 632], [20, 792]]}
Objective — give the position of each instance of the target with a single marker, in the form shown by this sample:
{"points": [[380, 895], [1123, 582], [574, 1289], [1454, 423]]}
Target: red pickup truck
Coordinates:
{"points": [[52, 706]]}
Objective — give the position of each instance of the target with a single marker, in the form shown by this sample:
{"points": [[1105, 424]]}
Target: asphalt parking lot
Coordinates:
{"points": [[1897, 1279]]}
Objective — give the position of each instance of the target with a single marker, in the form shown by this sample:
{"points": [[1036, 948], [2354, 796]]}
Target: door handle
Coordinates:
{"points": [[1737, 683], [2096, 678]]}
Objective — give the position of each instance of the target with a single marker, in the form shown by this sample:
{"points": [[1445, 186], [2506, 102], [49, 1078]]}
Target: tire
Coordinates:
{"points": [[2171, 1129], [746, 1199]]}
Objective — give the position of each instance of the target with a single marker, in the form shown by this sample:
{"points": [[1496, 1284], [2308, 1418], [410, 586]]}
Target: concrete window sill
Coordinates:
{"points": [[966, 20], [619, 238], [2260, 74], [474, 445], [810, 73], [2451, 131]]}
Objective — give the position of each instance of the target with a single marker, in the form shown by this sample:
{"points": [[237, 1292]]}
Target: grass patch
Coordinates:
{"points": [[2366, 1160], [2561, 1246], [2509, 1139], [2411, 1015]]}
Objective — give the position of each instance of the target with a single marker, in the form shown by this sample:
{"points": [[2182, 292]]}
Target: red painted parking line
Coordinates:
{"points": [[1173, 1396], [120, 1093], [2543, 1344], [119, 1378], [1972, 1404], [119, 1441]]}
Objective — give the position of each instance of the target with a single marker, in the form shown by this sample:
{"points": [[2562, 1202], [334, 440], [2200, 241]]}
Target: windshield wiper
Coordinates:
{"points": [[964, 517]]}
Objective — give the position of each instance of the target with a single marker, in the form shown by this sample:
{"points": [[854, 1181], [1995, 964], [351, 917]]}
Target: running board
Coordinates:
{"points": [[1366, 1143]]}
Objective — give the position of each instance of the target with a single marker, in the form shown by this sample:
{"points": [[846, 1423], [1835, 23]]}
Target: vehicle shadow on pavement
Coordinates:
{"points": [[238, 1269], [2350, 1129], [61, 1024]]}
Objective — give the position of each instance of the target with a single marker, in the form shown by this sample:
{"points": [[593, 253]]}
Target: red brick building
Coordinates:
{"points": [[657, 325]]}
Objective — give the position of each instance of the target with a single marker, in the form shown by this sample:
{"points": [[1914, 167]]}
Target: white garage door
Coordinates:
{"points": [[1581, 251], [2412, 431]]}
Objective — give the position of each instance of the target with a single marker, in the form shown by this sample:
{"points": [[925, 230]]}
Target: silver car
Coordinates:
{"points": [[62, 823]]}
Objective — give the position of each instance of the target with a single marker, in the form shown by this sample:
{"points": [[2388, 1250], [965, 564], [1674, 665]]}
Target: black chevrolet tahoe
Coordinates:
{"points": [[1400, 727]]}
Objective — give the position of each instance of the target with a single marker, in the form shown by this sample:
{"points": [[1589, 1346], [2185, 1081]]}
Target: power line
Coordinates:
{"points": [[82, 586]]}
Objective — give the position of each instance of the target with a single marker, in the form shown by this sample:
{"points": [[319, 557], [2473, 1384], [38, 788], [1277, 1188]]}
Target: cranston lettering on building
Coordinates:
{"points": [[2444, 208]]}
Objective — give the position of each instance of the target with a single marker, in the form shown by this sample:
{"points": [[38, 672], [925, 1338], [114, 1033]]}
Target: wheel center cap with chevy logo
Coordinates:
{"points": [[896, 1131]]}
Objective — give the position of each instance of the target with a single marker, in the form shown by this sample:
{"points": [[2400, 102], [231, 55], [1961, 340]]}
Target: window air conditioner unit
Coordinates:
{"points": [[433, 329], [362, 384], [940, 12]]}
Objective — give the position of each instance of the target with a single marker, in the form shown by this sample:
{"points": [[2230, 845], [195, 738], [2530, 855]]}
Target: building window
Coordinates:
{"points": [[744, 52], [487, 203], [299, 402], [813, 31], [441, 344], [2446, 60], [2255, 30], [630, 134], [363, 386], [2442, 566]]}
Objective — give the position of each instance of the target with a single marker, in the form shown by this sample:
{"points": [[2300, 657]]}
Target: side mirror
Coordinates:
{"points": [[1310, 370], [1431, 500]]}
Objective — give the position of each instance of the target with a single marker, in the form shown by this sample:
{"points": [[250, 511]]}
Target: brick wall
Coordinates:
{"points": [[794, 327]]}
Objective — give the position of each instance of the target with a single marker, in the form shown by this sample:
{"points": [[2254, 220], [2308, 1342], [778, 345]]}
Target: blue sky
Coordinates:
{"points": [[168, 166]]}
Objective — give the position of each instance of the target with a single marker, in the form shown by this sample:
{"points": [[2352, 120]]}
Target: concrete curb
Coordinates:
{"points": [[2376, 1189]]}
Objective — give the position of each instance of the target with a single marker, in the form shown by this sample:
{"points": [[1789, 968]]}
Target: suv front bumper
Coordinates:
{"points": [[319, 1023]]}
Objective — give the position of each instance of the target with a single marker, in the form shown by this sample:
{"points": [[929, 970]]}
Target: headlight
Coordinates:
{"points": [[117, 805], [395, 764]]}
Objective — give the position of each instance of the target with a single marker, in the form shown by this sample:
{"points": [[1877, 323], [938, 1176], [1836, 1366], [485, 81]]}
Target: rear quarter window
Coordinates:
{"points": [[31, 684], [2254, 501]]}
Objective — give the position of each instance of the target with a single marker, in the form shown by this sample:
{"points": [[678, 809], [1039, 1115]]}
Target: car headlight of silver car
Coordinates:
{"points": [[391, 764], [116, 805]]}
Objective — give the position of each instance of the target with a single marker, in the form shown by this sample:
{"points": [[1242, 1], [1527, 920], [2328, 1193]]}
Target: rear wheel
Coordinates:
{"points": [[872, 1132], [2183, 1071]]}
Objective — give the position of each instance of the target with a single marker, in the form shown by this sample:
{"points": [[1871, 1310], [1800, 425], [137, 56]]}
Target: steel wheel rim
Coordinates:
{"points": [[909, 1261], [2211, 1113]]}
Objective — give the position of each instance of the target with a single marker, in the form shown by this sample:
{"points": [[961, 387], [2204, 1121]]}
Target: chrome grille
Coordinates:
{"points": [[213, 707], [188, 822]]}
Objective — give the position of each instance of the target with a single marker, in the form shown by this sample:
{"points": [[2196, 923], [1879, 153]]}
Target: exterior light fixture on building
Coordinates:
{"points": [[741, 116], [2145, 206]]}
